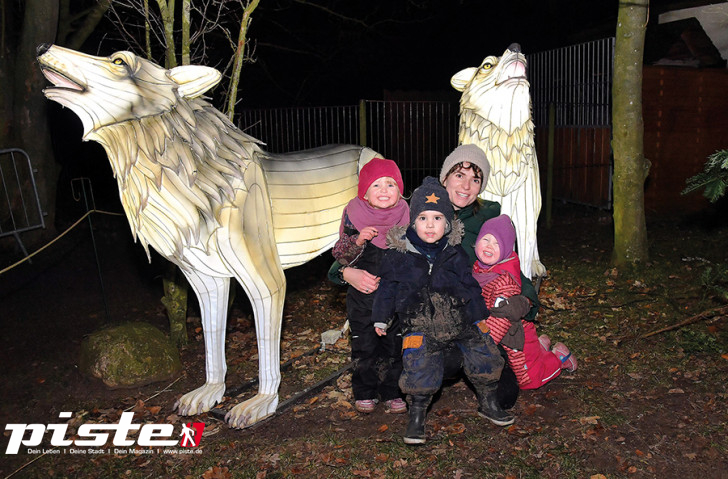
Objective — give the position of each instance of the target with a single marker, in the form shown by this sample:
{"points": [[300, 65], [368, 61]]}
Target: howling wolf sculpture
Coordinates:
{"points": [[207, 197], [495, 114]]}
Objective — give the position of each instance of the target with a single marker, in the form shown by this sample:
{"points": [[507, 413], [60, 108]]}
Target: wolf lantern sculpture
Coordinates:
{"points": [[207, 197], [495, 114]]}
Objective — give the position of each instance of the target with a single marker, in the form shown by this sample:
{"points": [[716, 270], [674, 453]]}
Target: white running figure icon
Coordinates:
{"points": [[187, 437]]}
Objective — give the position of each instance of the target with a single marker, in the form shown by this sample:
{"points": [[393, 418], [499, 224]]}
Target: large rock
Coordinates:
{"points": [[129, 355]]}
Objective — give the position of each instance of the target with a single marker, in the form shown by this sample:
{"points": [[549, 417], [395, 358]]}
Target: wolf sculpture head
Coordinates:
{"points": [[103, 91], [495, 114]]}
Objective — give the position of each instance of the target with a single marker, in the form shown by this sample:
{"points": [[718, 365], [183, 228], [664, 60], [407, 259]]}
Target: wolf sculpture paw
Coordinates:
{"points": [[200, 400], [538, 269], [253, 410]]}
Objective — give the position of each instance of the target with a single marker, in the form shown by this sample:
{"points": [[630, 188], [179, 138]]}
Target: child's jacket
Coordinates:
{"points": [[533, 365], [440, 299]]}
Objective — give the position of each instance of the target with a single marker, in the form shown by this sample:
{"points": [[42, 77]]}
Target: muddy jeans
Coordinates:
{"points": [[423, 361]]}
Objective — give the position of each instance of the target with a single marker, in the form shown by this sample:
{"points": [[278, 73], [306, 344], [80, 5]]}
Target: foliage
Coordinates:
{"points": [[714, 177], [212, 33]]}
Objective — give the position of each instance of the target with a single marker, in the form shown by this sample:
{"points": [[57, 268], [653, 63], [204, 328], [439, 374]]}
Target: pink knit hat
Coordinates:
{"points": [[378, 168]]}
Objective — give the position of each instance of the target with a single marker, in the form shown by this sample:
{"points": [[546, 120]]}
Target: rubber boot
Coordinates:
{"points": [[507, 388], [491, 409], [415, 433]]}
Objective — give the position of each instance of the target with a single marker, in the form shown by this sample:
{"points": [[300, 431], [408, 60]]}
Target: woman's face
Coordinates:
{"points": [[462, 186]]}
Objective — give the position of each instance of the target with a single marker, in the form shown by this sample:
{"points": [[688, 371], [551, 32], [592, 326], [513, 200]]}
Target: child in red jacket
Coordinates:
{"points": [[497, 270]]}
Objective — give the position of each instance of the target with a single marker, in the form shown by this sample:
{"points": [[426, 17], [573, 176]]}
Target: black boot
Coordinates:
{"points": [[507, 388], [491, 410], [415, 433]]}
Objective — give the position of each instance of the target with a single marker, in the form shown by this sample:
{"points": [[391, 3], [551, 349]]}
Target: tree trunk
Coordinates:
{"points": [[630, 165], [175, 301], [30, 124], [240, 56]]}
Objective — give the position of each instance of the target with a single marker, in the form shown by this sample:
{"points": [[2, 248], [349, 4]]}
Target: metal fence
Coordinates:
{"points": [[20, 209], [418, 135], [290, 129], [577, 82]]}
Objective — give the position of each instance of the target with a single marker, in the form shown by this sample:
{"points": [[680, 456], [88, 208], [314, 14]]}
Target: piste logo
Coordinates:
{"points": [[97, 435]]}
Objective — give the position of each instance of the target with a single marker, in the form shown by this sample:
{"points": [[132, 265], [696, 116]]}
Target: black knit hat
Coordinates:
{"points": [[431, 196]]}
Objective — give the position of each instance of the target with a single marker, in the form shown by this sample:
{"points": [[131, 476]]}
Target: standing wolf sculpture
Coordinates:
{"points": [[207, 197], [495, 114]]}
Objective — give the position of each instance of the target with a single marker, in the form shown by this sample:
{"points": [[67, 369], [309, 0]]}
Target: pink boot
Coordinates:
{"points": [[568, 361], [545, 342]]}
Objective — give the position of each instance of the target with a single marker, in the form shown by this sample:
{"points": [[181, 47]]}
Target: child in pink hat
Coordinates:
{"points": [[497, 270], [376, 347]]}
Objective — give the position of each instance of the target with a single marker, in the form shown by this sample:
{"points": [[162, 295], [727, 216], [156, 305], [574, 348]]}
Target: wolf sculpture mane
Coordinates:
{"points": [[495, 114], [207, 197]]}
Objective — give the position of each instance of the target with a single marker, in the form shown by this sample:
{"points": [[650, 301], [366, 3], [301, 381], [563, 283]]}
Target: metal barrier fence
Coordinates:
{"points": [[20, 209], [418, 135]]}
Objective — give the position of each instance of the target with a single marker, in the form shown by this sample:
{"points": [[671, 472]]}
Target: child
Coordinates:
{"points": [[497, 270], [426, 281], [362, 235]]}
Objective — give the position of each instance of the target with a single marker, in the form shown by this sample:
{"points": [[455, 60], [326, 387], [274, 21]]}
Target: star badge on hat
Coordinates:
{"points": [[432, 198]]}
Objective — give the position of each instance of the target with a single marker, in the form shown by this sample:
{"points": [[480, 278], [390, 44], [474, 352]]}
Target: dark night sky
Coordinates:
{"points": [[334, 52], [307, 56]]}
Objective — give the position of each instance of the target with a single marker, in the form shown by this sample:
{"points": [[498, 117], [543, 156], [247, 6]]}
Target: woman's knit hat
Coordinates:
{"points": [[470, 154], [501, 227], [433, 197], [378, 168]]}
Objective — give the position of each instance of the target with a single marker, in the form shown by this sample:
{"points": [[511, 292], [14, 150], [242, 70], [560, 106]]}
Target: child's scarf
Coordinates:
{"points": [[484, 274], [362, 214], [428, 250]]}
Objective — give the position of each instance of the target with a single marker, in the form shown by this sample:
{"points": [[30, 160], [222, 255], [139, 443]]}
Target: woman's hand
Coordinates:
{"points": [[361, 280], [366, 234]]}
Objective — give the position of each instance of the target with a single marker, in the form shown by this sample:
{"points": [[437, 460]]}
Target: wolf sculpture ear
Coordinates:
{"points": [[461, 79], [194, 80]]}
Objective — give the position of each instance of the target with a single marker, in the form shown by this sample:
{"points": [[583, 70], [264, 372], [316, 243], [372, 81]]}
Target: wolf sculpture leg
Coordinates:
{"points": [[251, 254], [523, 205], [212, 294]]}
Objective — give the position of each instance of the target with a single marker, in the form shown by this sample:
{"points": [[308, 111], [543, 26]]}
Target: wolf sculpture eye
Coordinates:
{"points": [[119, 61]]}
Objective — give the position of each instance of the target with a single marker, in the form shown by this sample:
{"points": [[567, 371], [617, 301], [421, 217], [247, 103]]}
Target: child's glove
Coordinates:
{"points": [[515, 338], [513, 308]]}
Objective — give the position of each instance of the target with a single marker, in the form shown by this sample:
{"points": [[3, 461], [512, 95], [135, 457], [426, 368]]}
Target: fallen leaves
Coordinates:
{"points": [[589, 420], [217, 472]]}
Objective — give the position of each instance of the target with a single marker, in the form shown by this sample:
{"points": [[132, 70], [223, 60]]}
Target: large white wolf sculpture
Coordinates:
{"points": [[207, 197], [495, 114]]}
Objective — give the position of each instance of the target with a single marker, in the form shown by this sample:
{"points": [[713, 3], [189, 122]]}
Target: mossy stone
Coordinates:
{"points": [[129, 355]]}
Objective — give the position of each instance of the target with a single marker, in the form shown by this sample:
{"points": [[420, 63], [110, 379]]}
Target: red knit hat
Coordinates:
{"points": [[378, 168]]}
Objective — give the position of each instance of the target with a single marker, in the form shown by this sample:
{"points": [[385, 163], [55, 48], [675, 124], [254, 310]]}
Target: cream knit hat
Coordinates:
{"points": [[469, 154]]}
